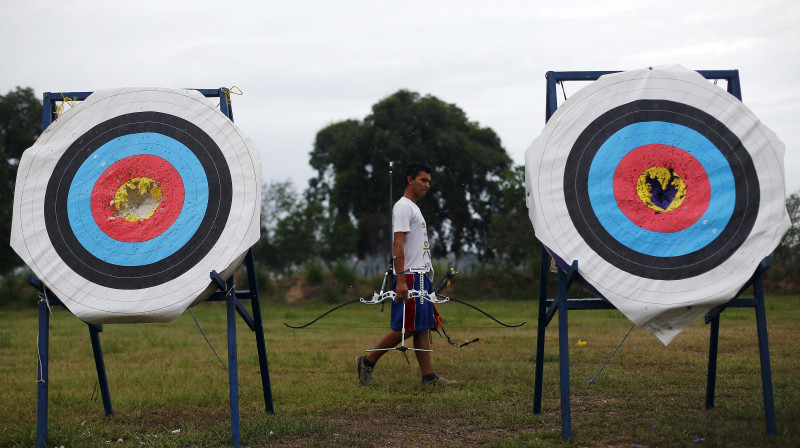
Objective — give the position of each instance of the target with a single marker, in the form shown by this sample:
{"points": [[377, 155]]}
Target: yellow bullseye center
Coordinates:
{"points": [[661, 189], [137, 199]]}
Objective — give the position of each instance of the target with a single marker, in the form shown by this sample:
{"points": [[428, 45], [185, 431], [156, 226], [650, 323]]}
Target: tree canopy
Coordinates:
{"points": [[20, 125], [512, 239], [297, 229], [352, 157], [787, 253]]}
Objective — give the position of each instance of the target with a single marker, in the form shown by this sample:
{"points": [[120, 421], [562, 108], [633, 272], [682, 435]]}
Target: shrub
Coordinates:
{"points": [[314, 273], [16, 292], [344, 273]]}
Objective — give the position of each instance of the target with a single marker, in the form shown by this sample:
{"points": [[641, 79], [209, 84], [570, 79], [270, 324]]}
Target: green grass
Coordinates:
{"points": [[164, 377]]}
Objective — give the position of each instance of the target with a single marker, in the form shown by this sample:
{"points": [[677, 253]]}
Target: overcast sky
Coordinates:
{"points": [[305, 64]]}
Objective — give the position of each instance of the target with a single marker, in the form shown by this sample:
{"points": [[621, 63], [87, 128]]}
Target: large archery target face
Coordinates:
{"points": [[128, 201], [667, 190], [663, 235]]}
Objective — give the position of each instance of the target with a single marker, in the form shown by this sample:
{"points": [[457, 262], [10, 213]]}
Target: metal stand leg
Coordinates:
{"points": [[262, 357], [42, 374], [563, 355], [713, 345], [94, 334], [540, 334], [233, 375], [259, 329], [763, 350]]}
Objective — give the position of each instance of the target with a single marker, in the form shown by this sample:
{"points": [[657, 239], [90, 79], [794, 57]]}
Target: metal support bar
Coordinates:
{"points": [[569, 275], [551, 310], [233, 368], [47, 112], [225, 103], [241, 294], [52, 299], [245, 315], [553, 78], [100, 365], [544, 260], [737, 302], [587, 304], [564, 279], [763, 351], [713, 345], [43, 375], [252, 282], [245, 294]]}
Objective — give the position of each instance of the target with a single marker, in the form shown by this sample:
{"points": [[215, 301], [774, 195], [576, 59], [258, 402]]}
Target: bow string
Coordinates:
{"points": [[434, 297]]}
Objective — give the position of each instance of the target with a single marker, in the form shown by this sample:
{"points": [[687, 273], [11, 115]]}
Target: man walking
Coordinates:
{"points": [[413, 271]]}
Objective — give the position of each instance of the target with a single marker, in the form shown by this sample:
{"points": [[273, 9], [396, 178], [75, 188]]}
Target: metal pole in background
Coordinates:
{"points": [[391, 204]]}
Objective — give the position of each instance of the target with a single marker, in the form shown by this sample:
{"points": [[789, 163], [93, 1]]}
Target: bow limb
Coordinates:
{"points": [[327, 312], [481, 311], [450, 341]]}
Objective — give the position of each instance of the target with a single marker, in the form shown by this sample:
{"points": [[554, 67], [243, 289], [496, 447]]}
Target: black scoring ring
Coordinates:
{"points": [[576, 190], [80, 260]]}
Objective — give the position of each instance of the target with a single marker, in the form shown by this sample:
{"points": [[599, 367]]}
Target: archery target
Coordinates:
{"points": [[126, 203], [666, 189]]}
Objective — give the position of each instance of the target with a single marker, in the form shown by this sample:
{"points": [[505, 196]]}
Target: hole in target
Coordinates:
{"points": [[208, 188], [661, 188], [137, 198]]}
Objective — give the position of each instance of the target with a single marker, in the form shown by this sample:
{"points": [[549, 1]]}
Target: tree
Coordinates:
{"points": [[512, 239], [786, 254], [278, 201], [20, 125], [296, 229], [352, 159]]}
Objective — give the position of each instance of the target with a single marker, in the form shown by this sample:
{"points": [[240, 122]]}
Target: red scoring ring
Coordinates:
{"points": [[637, 161], [172, 196]]}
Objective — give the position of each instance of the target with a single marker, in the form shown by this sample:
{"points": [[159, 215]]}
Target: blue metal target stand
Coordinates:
{"points": [[567, 274], [226, 292]]}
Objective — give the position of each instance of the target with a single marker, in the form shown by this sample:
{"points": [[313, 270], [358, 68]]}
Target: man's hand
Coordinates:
{"points": [[401, 289]]}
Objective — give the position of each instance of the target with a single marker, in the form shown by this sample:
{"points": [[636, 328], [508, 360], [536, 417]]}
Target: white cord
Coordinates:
{"points": [[46, 301], [39, 357], [42, 298]]}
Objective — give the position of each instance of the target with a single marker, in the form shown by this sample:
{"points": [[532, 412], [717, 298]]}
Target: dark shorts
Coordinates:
{"points": [[419, 312]]}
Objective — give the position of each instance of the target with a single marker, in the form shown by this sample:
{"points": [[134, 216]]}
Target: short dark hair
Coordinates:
{"points": [[414, 169]]}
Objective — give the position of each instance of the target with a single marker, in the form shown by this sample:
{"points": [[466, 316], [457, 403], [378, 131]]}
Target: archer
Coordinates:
{"points": [[412, 258]]}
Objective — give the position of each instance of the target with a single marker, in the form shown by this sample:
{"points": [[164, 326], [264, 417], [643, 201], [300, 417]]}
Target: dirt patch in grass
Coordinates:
{"points": [[424, 430]]}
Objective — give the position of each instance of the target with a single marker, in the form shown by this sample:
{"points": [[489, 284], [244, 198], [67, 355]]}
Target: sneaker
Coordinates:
{"points": [[364, 372], [438, 381]]}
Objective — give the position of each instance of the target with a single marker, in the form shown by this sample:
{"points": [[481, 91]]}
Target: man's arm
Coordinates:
{"points": [[399, 262]]}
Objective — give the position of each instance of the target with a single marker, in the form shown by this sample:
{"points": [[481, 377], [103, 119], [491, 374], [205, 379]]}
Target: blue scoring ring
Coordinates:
{"points": [[171, 240], [659, 244]]}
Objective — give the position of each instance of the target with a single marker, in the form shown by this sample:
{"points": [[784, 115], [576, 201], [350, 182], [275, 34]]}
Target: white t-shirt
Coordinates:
{"points": [[407, 218]]}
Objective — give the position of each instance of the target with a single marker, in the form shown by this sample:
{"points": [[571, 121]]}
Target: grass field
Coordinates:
{"points": [[164, 378]]}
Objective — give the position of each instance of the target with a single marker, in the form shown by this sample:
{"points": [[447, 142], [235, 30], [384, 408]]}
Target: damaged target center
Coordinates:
{"points": [[137, 199], [661, 189]]}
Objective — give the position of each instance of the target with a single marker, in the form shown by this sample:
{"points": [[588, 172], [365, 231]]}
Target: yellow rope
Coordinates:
{"points": [[234, 90], [65, 100]]}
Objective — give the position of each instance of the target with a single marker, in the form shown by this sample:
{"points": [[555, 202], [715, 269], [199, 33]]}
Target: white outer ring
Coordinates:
{"points": [[654, 304], [99, 304]]}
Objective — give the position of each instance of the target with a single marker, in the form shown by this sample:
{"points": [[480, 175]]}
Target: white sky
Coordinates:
{"points": [[305, 64]]}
